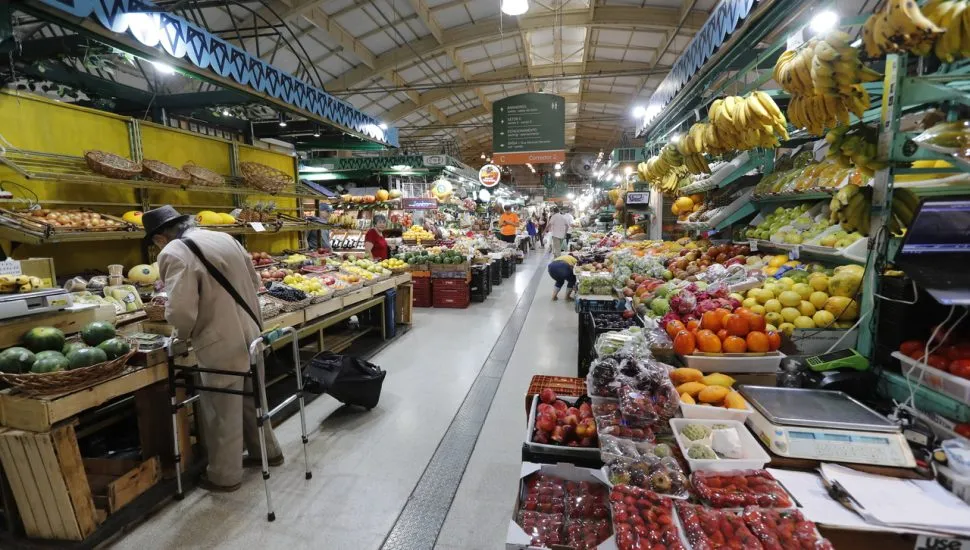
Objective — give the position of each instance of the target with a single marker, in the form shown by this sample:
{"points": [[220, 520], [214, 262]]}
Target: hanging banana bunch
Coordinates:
{"points": [[693, 160], [825, 77], [902, 26], [737, 124], [858, 149]]}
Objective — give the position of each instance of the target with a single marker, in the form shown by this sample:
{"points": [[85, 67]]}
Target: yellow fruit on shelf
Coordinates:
{"points": [[133, 216], [718, 379]]}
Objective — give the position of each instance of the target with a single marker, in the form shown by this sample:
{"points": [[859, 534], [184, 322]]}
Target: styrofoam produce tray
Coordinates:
{"points": [[754, 456], [560, 450], [941, 381], [715, 413], [768, 362]]}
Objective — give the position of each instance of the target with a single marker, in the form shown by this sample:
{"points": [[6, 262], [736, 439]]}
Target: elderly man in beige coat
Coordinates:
{"points": [[221, 331]]}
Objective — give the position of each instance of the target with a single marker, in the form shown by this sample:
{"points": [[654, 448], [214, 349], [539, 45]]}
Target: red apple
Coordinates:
{"points": [[547, 396]]}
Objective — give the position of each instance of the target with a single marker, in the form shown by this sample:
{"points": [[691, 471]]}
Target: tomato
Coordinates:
{"points": [[736, 325], [909, 346], [938, 361], [674, 327], [684, 343], [774, 340], [960, 367], [755, 322], [959, 351], [962, 430], [757, 341], [708, 342], [735, 344], [916, 354], [722, 334]]}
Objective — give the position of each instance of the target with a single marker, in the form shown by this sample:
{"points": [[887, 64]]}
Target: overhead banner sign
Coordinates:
{"points": [[419, 203], [529, 128]]}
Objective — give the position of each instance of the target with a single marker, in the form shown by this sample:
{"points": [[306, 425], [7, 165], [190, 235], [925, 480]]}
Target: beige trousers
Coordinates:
{"points": [[229, 424], [556, 246]]}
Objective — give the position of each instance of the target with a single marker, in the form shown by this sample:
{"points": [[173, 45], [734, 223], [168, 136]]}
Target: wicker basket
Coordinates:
{"points": [[65, 381], [155, 310], [325, 298], [288, 306], [203, 177], [112, 165], [164, 173], [268, 307], [264, 178]]}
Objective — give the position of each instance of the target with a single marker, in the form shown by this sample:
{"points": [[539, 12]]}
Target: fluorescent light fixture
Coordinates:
{"points": [[400, 167], [824, 21], [225, 112], [316, 131], [163, 68], [628, 170], [282, 124], [571, 196], [639, 111], [515, 7], [483, 155], [382, 126], [558, 173], [558, 166], [652, 111]]}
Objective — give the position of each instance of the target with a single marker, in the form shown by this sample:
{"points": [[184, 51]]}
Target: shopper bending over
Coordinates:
{"points": [[374, 242], [556, 229], [221, 326], [561, 271], [508, 225]]}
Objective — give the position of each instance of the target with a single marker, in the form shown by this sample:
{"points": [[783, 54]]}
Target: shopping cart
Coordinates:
{"points": [[257, 373]]}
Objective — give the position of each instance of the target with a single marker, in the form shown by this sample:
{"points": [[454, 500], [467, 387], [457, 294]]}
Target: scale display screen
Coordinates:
{"points": [[838, 438]]}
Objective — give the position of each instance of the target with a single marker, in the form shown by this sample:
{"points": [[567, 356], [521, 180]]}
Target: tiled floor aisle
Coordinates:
{"points": [[366, 464]]}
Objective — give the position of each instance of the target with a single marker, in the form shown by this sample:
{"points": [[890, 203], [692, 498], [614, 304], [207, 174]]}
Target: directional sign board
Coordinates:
{"points": [[529, 128]]}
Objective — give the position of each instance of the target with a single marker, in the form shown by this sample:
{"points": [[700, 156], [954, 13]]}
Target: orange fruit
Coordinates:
{"points": [[758, 342], [673, 327], [735, 344], [711, 321], [708, 342], [743, 311], [722, 334], [755, 322], [684, 343], [721, 313], [693, 324], [736, 325], [774, 340]]}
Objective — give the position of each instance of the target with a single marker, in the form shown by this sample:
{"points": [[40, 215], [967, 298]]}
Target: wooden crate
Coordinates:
{"points": [[357, 296], [115, 483], [316, 311], [405, 307], [11, 330], [48, 483], [383, 286], [39, 414]]}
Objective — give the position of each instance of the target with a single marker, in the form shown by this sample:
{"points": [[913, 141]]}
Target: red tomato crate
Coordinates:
{"points": [[562, 385], [421, 293], [451, 293]]}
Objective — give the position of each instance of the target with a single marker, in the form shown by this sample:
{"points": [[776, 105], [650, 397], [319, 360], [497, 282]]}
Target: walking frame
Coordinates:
{"points": [[257, 373]]}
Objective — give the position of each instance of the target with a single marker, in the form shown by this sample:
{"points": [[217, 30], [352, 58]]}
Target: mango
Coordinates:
{"points": [[684, 375], [691, 388], [713, 394], [733, 400], [843, 308], [686, 398], [718, 379]]}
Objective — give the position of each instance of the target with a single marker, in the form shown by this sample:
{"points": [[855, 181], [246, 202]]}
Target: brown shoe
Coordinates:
{"points": [[257, 462], [204, 483]]}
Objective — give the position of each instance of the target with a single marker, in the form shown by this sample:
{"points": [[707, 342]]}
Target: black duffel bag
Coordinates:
{"points": [[349, 380]]}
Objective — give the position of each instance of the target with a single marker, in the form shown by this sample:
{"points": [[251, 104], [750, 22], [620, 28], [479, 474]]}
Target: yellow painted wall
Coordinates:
{"points": [[38, 124]]}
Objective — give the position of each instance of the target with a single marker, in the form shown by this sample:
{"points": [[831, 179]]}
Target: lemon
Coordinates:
{"points": [[771, 327], [786, 329], [789, 298], [806, 308], [818, 298], [758, 308], [789, 314], [803, 321], [819, 281], [774, 318], [786, 282], [749, 302], [823, 318], [803, 290], [772, 306]]}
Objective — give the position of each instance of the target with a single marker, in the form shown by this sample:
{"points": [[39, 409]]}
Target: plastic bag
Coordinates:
{"points": [[544, 494], [126, 294], [709, 529], [783, 529], [643, 519], [613, 425], [545, 529], [727, 443], [660, 475], [637, 407], [589, 503], [586, 534], [75, 284], [601, 380], [740, 488]]}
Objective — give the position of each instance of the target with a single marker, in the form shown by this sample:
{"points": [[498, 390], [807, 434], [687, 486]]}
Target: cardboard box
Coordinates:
{"points": [[516, 538], [39, 267], [807, 341]]}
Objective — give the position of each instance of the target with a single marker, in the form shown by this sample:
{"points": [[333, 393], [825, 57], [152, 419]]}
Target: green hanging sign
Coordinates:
{"points": [[529, 128]]}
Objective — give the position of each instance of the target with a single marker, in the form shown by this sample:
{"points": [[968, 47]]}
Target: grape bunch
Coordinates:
{"points": [[287, 293]]}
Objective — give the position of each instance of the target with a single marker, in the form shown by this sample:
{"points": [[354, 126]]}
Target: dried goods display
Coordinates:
{"points": [[740, 489]]}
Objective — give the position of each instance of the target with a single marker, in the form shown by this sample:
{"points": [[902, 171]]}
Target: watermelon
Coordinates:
{"points": [[97, 332], [114, 348], [16, 360], [49, 353], [85, 357], [71, 346], [44, 338], [50, 363]]}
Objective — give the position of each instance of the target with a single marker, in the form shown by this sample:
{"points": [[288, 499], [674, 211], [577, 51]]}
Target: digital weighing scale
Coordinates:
{"points": [[824, 425], [38, 301]]}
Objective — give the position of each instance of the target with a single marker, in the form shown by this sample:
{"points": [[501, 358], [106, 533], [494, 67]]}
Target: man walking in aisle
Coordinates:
{"points": [[568, 214], [557, 228], [215, 305]]}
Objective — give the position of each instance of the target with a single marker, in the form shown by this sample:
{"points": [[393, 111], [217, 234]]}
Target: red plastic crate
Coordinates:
{"points": [[455, 284], [451, 298]]}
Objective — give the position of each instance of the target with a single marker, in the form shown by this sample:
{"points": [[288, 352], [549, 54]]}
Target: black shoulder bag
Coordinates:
{"points": [[221, 279]]}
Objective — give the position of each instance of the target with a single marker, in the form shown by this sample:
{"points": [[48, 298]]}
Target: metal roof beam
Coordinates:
{"points": [[487, 29], [309, 10]]}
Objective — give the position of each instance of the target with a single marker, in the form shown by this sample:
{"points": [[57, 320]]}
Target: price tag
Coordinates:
{"points": [[257, 227], [10, 267], [793, 253], [925, 542], [235, 213], [753, 245]]}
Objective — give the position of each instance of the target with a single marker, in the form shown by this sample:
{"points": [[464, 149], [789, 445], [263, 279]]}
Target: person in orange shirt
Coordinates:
{"points": [[508, 225]]}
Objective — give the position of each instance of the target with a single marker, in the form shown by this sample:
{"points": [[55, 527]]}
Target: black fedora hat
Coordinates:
{"points": [[160, 218]]}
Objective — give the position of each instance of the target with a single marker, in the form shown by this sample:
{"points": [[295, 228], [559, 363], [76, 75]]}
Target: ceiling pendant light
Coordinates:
{"points": [[515, 7]]}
